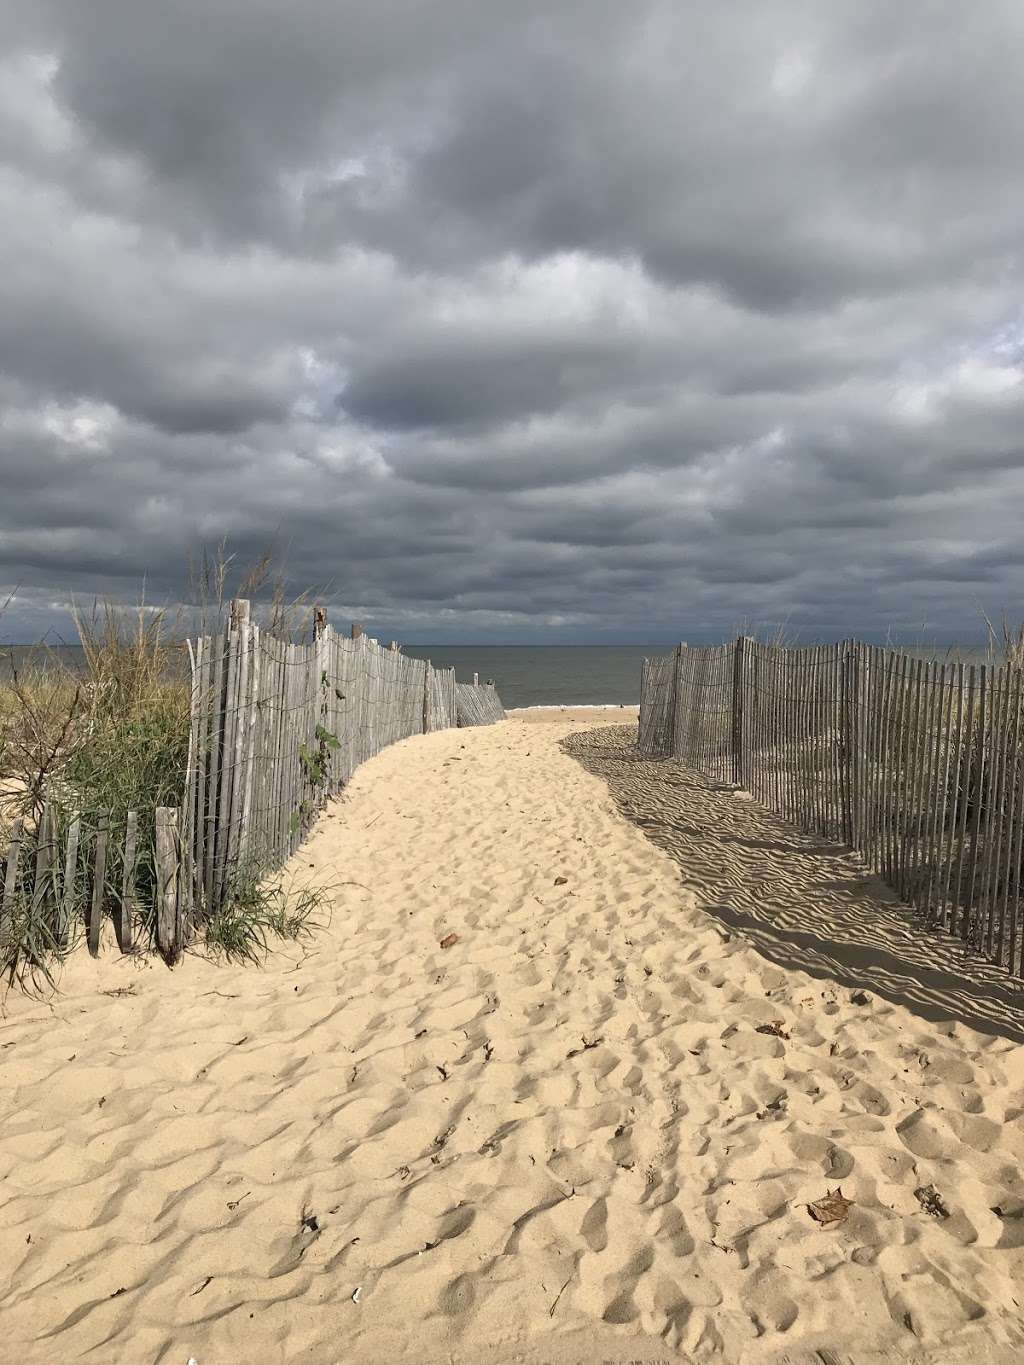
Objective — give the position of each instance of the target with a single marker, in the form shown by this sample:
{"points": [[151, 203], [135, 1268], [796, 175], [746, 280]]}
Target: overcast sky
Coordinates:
{"points": [[518, 320]]}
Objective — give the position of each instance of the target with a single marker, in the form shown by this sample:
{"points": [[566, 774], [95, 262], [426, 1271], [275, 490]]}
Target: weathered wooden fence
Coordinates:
{"points": [[276, 729], [917, 764], [477, 704]]}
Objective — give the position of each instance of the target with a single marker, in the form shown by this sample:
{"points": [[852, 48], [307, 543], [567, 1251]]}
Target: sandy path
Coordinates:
{"points": [[565, 1127]]}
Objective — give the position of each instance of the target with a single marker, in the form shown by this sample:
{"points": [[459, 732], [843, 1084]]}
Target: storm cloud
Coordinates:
{"points": [[518, 321]]}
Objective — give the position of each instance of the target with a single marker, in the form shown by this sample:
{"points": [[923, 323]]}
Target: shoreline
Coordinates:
{"points": [[579, 706], [611, 713]]}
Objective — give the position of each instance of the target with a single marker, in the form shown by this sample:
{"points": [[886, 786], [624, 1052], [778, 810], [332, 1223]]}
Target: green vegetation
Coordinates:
{"points": [[107, 733], [258, 910]]}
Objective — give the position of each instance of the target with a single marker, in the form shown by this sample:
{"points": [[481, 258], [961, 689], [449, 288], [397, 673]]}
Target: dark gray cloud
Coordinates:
{"points": [[518, 320]]}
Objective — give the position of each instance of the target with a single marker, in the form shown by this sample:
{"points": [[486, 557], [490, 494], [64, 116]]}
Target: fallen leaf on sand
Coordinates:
{"points": [[449, 940], [931, 1201], [776, 1028], [561, 881], [832, 1208]]}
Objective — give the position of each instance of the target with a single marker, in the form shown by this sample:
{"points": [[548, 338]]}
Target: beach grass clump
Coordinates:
{"points": [[96, 738], [31, 949], [257, 911], [131, 744], [1005, 642], [109, 735]]}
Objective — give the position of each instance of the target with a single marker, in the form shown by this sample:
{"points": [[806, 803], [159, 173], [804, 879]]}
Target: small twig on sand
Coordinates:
{"points": [[551, 1310], [587, 1045]]}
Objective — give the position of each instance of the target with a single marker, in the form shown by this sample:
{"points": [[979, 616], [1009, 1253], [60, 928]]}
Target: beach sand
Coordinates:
{"points": [[589, 1130], [584, 715]]}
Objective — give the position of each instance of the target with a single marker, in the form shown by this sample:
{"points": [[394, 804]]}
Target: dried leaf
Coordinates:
{"points": [[449, 940], [931, 1201], [833, 1207], [561, 881], [776, 1028]]}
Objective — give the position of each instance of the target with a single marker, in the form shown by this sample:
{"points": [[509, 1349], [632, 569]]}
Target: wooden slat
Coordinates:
{"points": [[892, 708], [277, 794], [935, 796], [201, 720], [211, 798], [872, 715], [979, 775], [945, 804], [756, 759], [803, 741], [993, 816], [240, 737], [168, 939], [188, 806], [1014, 819], [902, 814], [916, 758], [44, 899], [778, 683], [228, 730], [250, 758], [958, 805], [126, 904], [1014, 937], [11, 883], [816, 746], [850, 775], [69, 882], [738, 699], [99, 881]]}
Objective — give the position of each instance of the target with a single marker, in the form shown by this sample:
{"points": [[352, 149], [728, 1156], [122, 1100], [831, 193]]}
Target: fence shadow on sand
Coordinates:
{"points": [[802, 903]]}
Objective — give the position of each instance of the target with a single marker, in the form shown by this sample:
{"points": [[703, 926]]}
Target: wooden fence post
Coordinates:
{"points": [[357, 629], [68, 888], [851, 746], [43, 899], [11, 882], [739, 720], [675, 711], [167, 935], [427, 682], [193, 834], [124, 915], [99, 881]]}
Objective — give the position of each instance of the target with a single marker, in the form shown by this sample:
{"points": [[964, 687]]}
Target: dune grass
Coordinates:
{"points": [[111, 735]]}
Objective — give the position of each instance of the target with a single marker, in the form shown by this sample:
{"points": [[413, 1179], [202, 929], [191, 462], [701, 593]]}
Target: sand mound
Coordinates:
{"points": [[593, 1124]]}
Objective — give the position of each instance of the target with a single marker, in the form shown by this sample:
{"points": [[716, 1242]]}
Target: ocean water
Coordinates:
{"points": [[548, 675], [526, 675], [567, 675]]}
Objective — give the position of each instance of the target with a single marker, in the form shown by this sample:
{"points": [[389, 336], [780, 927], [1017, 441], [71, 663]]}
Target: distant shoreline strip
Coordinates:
{"points": [[578, 706]]}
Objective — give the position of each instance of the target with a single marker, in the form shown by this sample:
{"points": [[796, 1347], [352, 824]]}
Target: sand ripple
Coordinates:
{"points": [[595, 1122]]}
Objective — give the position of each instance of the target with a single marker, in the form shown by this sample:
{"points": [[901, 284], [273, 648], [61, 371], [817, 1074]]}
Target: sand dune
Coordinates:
{"points": [[588, 1130]]}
